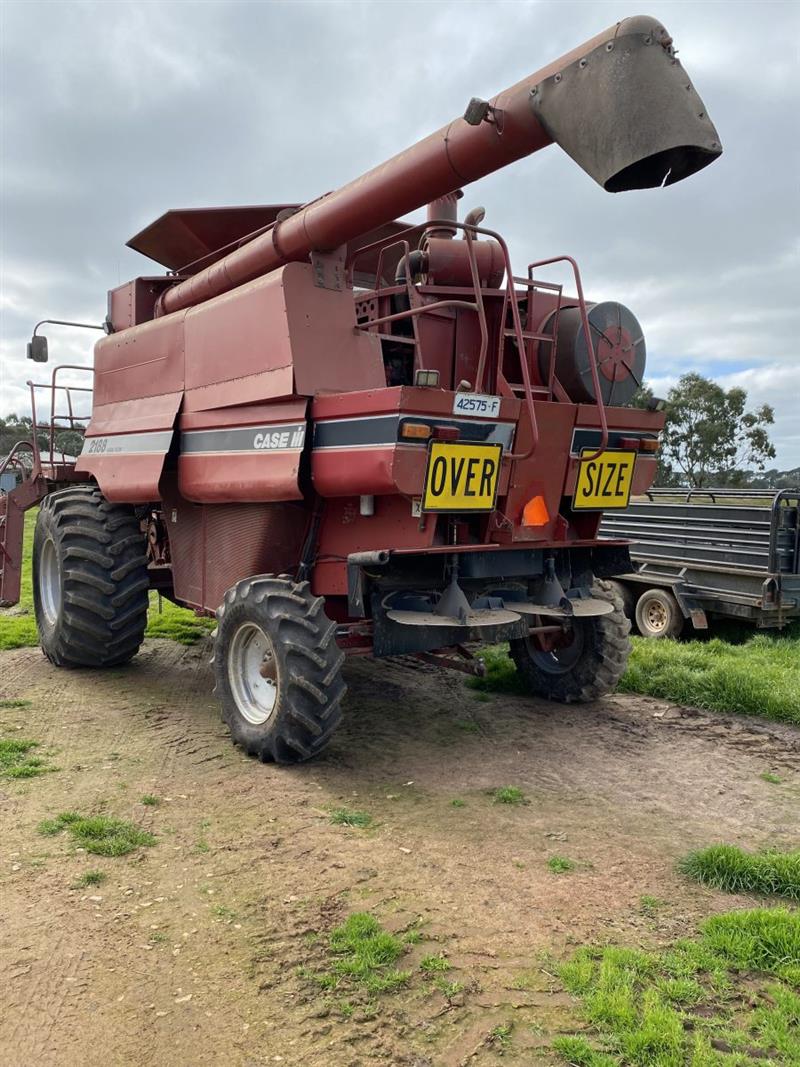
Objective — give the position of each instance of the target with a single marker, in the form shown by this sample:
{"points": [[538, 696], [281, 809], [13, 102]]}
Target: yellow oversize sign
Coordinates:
{"points": [[604, 482], [461, 477]]}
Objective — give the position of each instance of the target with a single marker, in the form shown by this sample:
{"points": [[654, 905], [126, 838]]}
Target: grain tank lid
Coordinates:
{"points": [[183, 235]]}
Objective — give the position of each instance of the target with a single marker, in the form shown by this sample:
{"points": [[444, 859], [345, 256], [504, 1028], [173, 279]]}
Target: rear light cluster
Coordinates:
{"points": [[420, 431], [639, 444]]}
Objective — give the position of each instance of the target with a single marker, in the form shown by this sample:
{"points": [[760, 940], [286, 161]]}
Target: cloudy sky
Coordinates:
{"points": [[114, 112]]}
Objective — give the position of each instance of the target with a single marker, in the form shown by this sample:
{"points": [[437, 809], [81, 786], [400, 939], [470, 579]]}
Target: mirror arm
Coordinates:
{"points": [[63, 322]]}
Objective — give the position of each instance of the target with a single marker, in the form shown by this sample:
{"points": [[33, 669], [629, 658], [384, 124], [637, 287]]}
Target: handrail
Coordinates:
{"points": [[409, 312], [12, 455], [70, 418], [601, 408], [472, 231]]}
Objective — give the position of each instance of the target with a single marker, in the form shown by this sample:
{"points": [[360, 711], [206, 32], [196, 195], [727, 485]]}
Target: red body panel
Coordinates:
{"points": [[216, 468]]}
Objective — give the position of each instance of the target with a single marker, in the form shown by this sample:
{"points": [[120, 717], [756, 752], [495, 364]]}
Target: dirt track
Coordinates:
{"points": [[623, 788]]}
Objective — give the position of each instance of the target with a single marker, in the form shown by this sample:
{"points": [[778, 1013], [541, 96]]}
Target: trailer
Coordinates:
{"points": [[707, 554], [342, 434]]}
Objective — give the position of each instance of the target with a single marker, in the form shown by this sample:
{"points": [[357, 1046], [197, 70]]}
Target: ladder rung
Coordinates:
{"points": [[526, 336]]}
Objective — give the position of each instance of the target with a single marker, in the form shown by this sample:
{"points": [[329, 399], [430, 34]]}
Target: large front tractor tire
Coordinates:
{"points": [[90, 579], [588, 664], [278, 669]]}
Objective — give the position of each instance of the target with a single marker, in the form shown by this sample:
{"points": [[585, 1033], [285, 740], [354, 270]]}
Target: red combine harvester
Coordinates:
{"points": [[341, 433]]}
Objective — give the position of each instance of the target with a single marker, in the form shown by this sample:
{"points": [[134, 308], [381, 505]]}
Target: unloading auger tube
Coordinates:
{"points": [[621, 105]]}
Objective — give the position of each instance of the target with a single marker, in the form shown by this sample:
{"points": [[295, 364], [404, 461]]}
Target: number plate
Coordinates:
{"points": [[476, 404], [461, 477], [604, 482]]}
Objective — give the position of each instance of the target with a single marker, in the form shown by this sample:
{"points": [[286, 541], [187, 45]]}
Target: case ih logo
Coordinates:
{"points": [[277, 439], [286, 437]]}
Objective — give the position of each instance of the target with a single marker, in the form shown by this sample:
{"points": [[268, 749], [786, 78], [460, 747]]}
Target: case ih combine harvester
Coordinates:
{"points": [[344, 434]]}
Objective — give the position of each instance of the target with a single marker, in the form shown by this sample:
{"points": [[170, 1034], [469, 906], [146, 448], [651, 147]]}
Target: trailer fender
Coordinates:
{"points": [[690, 607]]}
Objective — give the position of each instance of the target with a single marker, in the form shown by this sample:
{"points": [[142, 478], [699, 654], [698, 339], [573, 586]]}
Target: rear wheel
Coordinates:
{"points": [[658, 614], [278, 669], [90, 579], [587, 665]]}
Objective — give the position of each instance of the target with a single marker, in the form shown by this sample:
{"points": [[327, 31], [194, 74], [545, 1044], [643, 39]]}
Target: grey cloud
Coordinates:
{"points": [[115, 112]]}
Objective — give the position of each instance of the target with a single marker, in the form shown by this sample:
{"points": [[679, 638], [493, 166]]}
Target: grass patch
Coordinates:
{"points": [[509, 794], [728, 997], [345, 817], [150, 801], [362, 957], [468, 726], [773, 779], [433, 964], [735, 871], [561, 865], [457, 802], [756, 675], [760, 676], [90, 878], [650, 905], [17, 762], [500, 1036], [16, 703], [99, 834], [18, 624]]}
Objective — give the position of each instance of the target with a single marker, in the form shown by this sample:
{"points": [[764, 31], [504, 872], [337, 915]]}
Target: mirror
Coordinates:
{"points": [[37, 349]]}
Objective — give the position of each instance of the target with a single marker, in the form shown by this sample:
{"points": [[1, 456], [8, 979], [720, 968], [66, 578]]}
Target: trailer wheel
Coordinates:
{"points": [[90, 579], [278, 669], [588, 666], [658, 614]]}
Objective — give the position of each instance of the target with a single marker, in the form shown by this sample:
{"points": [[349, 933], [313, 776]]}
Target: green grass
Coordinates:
{"points": [[362, 957], [345, 817], [433, 964], [150, 801], [758, 675], [99, 834], [500, 1036], [90, 878], [18, 625], [773, 779], [509, 794], [728, 997], [561, 865], [650, 905], [735, 871], [16, 761]]}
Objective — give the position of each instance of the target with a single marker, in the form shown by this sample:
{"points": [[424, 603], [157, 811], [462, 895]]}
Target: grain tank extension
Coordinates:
{"points": [[344, 434]]}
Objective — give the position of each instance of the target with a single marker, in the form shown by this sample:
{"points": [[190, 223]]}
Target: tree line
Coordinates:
{"points": [[710, 438]]}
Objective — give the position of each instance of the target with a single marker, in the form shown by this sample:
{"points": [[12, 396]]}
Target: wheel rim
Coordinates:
{"points": [[656, 615], [559, 660], [252, 673], [50, 581]]}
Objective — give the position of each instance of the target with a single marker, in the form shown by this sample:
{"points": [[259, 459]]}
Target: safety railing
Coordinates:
{"points": [[471, 233], [511, 303], [587, 332], [59, 420]]}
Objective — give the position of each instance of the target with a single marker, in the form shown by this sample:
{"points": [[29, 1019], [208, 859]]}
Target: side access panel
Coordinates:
{"points": [[125, 446], [242, 454]]}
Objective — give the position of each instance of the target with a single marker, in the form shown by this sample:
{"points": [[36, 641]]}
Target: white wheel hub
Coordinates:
{"points": [[50, 581], [252, 673]]}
